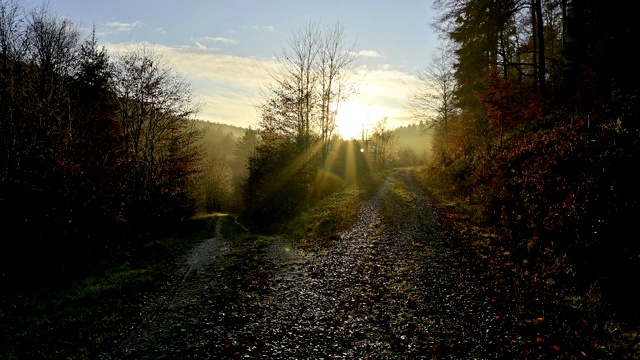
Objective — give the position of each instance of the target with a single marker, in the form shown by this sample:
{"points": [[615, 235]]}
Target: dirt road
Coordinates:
{"points": [[393, 286]]}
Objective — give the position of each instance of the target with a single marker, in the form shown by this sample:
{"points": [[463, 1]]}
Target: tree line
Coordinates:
{"points": [[101, 150], [533, 109], [92, 146]]}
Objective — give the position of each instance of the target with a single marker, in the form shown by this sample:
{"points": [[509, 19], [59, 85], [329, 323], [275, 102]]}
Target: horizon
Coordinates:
{"points": [[225, 50]]}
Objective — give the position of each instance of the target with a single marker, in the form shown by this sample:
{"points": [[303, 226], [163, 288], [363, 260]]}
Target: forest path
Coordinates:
{"points": [[393, 286]]}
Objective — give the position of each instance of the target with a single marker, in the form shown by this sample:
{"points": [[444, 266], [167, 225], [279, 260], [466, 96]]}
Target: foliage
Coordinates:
{"points": [[278, 182], [296, 126], [94, 149], [159, 151], [225, 152], [503, 110], [547, 126], [563, 197], [73, 318], [562, 201], [218, 183], [382, 146]]}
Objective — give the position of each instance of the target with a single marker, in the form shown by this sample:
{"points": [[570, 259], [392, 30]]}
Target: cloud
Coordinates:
{"points": [[269, 28], [217, 39], [116, 26], [229, 87], [367, 53], [387, 90]]}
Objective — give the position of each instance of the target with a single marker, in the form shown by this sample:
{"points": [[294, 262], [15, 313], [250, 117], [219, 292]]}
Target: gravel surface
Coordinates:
{"points": [[393, 286]]}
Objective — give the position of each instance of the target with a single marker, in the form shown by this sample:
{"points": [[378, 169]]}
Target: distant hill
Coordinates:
{"points": [[224, 128], [412, 136]]}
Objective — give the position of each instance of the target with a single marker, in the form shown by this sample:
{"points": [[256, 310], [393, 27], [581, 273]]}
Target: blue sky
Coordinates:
{"points": [[225, 48]]}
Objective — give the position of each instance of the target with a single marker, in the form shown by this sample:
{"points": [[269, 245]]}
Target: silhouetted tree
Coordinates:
{"points": [[383, 144], [433, 102], [336, 64], [160, 152], [297, 119]]}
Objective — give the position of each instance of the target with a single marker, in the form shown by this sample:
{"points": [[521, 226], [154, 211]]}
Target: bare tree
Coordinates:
{"points": [[54, 42], [12, 36], [433, 102], [314, 75], [336, 65], [293, 94], [383, 144]]}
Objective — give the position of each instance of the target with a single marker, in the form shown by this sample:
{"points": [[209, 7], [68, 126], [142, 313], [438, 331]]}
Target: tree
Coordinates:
{"points": [[12, 36], [298, 119], [502, 36], [292, 99], [218, 183], [160, 152], [472, 28], [538, 27], [597, 64], [433, 102], [96, 134], [314, 75], [337, 60], [245, 149], [49, 169], [383, 144], [553, 83]]}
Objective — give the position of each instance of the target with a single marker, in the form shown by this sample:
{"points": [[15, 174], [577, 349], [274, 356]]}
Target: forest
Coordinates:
{"points": [[524, 126], [101, 150], [527, 118], [534, 111], [93, 147]]}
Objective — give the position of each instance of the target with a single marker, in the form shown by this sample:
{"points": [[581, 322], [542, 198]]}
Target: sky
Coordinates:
{"points": [[225, 48]]}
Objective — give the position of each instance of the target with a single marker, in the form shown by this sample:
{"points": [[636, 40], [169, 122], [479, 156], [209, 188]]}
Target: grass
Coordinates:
{"points": [[322, 221], [447, 195], [399, 202], [327, 217], [66, 321], [71, 319]]}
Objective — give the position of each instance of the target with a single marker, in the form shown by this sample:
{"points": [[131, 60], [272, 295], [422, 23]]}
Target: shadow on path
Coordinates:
{"points": [[393, 286]]}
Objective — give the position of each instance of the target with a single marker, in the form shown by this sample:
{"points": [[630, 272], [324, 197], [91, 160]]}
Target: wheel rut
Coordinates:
{"points": [[392, 286]]}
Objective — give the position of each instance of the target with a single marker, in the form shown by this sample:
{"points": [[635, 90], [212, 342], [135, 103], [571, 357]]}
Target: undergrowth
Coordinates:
{"points": [[619, 333], [322, 221], [71, 318]]}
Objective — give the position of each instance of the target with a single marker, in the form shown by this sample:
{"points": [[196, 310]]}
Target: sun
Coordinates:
{"points": [[351, 119]]}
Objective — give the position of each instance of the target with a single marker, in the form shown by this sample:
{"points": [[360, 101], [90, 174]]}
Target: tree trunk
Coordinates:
{"points": [[534, 30], [542, 68]]}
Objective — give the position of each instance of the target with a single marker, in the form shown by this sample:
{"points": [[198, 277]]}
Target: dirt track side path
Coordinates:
{"points": [[393, 286]]}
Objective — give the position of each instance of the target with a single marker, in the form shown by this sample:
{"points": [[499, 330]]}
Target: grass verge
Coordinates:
{"points": [[322, 221], [72, 318]]}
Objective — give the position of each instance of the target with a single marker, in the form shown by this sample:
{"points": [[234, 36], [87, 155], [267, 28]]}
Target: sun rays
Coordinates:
{"points": [[352, 119], [346, 164]]}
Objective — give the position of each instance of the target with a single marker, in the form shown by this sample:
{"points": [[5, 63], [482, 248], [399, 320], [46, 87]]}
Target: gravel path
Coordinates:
{"points": [[393, 286]]}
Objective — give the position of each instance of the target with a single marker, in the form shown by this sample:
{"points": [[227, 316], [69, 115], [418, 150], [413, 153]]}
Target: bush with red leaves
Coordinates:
{"points": [[567, 200]]}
